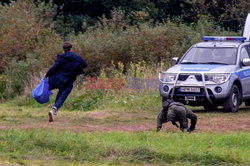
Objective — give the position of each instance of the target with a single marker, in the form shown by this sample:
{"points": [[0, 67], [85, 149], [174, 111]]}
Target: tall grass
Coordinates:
{"points": [[142, 95], [135, 95], [123, 147]]}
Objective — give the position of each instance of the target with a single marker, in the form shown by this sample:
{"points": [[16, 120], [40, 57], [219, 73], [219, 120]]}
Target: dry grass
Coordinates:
{"points": [[115, 120]]}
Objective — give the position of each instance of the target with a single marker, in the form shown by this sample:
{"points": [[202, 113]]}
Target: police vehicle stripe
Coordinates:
{"points": [[199, 67]]}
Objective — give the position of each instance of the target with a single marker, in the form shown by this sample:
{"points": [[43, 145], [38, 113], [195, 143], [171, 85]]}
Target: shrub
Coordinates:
{"points": [[114, 41], [17, 75], [128, 97], [28, 44], [26, 28]]}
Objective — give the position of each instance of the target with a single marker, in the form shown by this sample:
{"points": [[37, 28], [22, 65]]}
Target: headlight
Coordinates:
{"points": [[167, 77], [217, 78]]}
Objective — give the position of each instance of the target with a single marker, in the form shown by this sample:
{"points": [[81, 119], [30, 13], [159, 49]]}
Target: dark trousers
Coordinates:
{"points": [[184, 122], [63, 94]]}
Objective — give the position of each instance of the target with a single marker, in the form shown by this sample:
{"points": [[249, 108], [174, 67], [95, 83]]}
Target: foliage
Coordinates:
{"points": [[25, 28], [87, 100], [137, 90], [20, 77], [76, 16], [26, 49], [115, 41], [230, 14], [2, 87]]}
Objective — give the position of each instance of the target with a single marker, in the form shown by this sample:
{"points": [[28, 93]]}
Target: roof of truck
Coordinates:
{"points": [[221, 41], [218, 44]]}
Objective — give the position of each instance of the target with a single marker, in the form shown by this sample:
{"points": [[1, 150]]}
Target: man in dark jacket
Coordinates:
{"points": [[175, 111], [63, 74]]}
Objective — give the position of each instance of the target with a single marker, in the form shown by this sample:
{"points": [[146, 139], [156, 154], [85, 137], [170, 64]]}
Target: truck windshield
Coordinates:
{"points": [[225, 56]]}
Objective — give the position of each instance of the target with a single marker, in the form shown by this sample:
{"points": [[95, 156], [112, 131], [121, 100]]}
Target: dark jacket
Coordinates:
{"points": [[176, 111], [65, 70]]}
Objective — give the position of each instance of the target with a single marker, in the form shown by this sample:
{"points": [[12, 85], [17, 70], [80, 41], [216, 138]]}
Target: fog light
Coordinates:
{"points": [[165, 88], [217, 89]]}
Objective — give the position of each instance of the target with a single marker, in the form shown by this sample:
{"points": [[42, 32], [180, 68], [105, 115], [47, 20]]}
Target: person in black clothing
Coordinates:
{"points": [[176, 111], [63, 74]]}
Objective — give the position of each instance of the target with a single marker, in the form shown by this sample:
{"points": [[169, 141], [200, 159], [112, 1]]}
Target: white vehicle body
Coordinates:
{"points": [[211, 73]]}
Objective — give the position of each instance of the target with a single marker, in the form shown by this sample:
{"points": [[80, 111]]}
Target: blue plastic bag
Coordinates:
{"points": [[42, 93]]}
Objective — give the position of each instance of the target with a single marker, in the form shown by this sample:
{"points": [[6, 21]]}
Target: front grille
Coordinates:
{"points": [[206, 78], [198, 77], [183, 77]]}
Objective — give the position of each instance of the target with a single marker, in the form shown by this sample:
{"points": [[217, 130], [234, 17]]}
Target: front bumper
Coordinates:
{"points": [[207, 91]]}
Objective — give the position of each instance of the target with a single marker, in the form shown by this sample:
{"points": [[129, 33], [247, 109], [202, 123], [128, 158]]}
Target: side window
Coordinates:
{"points": [[244, 53]]}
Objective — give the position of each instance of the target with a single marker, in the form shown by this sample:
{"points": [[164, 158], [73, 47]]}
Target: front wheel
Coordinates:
{"points": [[164, 99], [247, 102], [231, 104]]}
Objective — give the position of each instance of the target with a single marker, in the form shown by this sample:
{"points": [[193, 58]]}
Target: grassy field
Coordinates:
{"points": [[25, 146], [116, 136]]}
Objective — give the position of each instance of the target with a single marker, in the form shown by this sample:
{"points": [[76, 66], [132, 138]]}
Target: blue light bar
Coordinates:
{"points": [[223, 38]]}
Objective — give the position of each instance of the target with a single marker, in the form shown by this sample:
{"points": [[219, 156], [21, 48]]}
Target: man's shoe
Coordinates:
{"points": [[55, 110], [51, 116]]}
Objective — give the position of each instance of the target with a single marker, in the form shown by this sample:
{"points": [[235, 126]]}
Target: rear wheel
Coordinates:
{"points": [[232, 103]]}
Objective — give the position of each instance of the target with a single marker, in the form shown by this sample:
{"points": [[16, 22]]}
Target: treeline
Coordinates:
{"points": [[30, 41], [78, 15]]}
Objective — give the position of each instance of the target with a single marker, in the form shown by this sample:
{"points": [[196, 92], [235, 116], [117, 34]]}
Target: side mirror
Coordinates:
{"points": [[175, 59], [246, 61]]}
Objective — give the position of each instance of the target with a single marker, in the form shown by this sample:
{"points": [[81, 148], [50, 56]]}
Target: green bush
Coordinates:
{"points": [[87, 101], [26, 28], [2, 87], [28, 44], [114, 40], [122, 95], [17, 76]]}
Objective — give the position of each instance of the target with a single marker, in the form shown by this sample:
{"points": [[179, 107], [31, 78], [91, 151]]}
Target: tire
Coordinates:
{"points": [[247, 102], [210, 107], [164, 99], [232, 103]]}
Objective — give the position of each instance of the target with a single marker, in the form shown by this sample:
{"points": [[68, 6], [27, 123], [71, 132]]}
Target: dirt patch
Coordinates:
{"points": [[95, 114], [224, 124], [129, 121]]}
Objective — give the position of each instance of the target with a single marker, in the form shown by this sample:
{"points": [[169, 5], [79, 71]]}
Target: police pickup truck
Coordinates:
{"points": [[212, 73]]}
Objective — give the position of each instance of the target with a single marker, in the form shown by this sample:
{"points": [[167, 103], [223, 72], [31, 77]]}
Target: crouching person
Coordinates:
{"points": [[175, 111]]}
